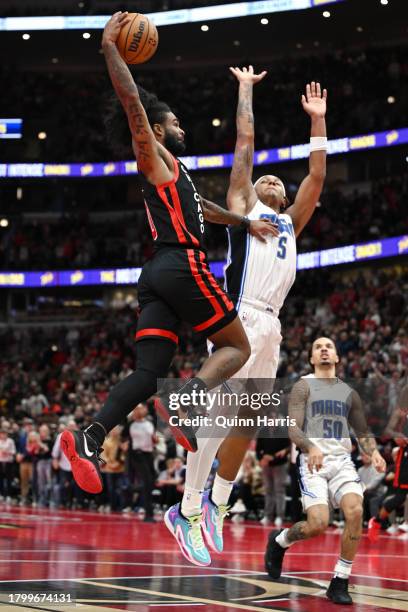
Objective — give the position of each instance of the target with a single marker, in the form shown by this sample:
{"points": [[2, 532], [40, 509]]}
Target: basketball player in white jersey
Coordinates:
{"points": [[258, 279], [323, 407]]}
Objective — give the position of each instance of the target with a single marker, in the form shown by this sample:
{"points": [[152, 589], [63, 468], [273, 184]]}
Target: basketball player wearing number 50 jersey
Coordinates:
{"points": [[323, 406], [175, 285]]}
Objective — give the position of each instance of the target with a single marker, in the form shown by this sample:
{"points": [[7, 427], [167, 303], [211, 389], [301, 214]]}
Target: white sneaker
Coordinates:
{"points": [[238, 508], [265, 521], [393, 529], [278, 522], [404, 527]]}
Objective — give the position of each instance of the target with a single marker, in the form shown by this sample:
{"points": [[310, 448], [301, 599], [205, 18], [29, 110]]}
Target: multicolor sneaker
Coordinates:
{"points": [[82, 452], [187, 531], [213, 522]]}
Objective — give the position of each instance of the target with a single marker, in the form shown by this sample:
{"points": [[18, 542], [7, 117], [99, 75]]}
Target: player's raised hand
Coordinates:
{"points": [[314, 102], [378, 462], [314, 459], [113, 27], [247, 75], [261, 228]]}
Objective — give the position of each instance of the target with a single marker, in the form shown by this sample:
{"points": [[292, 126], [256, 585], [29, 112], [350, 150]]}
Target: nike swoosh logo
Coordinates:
{"points": [[88, 453]]}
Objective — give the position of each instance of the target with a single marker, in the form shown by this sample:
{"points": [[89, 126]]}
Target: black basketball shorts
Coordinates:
{"points": [[176, 285]]}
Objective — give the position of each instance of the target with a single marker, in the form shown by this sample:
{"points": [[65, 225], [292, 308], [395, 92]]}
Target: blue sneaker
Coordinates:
{"points": [[187, 532], [213, 522]]}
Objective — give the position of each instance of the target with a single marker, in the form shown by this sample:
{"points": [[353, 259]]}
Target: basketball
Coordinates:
{"points": [[138, 39]]}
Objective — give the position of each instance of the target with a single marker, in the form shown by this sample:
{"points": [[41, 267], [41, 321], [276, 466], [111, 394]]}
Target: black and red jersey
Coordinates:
{"points": [[174, 210]]}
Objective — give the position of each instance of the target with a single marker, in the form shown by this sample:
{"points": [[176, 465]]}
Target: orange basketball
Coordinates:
{"points": [[138, 39]]}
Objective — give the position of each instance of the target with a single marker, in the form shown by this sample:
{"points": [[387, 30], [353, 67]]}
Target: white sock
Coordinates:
{"points": [[191, 502], [221, 490], [343, 568], [282, 539]]}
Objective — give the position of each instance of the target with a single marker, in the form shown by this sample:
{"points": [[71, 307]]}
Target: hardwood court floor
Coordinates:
{"points": [[116, 562]]}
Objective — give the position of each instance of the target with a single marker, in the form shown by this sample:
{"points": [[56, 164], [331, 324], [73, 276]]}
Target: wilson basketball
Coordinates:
{"points": [[138, 39]]}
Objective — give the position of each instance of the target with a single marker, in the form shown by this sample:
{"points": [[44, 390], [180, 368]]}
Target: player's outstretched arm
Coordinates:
{"points": [[366, 440], [152, 159], [314, 104], [258, 228], [241, 195]]}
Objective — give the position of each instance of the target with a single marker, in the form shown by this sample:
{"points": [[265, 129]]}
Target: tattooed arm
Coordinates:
{"points": [[258, 228], [152, 158], [241, 196], [297, 403], [366, 440]]}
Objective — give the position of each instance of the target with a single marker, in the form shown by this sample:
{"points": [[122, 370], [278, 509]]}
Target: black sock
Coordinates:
{"points": [[97, 432]]}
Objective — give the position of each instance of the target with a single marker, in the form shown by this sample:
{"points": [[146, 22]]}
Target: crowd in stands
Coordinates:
{"points": [[74, 240], [52, 378], [359, 84]]}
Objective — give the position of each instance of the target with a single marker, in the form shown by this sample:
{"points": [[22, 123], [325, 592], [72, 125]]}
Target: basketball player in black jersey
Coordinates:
{"points": [[397, 428], [175, 285]]}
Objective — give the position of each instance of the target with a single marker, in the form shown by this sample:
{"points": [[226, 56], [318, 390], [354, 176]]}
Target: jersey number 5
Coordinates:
{"points": [[282, 247]]}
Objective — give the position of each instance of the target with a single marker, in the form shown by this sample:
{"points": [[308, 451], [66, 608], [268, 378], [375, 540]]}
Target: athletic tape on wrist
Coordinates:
{"points": [[318, 143]]}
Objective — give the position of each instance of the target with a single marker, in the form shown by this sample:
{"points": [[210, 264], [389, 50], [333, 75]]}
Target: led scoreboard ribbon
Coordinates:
{"points": [[348, 144], [163, 18], [11, 128], [388, 247]]}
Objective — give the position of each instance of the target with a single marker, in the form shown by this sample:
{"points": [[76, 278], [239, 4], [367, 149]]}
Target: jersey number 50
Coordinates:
{"points": [[332, 429]]}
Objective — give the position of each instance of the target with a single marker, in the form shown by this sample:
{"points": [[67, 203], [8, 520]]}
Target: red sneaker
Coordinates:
{"points": [[83, 454]]}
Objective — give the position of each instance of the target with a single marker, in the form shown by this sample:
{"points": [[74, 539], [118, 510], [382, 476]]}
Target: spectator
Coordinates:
{"points": [[7, 456], [142, 440]]}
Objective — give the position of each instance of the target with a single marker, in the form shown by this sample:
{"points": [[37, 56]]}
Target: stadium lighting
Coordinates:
{"points": [[26, 37], [4, 222], [264, 21], [236, 43], [299, 45], [216, 122], [42, 135], [86, 35], [384, 2], [359, 29], [19, 194], [204, 28], [326, 14], [390, 99], [55, 60]]}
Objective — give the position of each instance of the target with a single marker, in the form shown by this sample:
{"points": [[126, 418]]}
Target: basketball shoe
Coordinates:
{"points": [[213, 522], [274, 555], [338, 591], [82, 452], [187, 531], [178, 418]]}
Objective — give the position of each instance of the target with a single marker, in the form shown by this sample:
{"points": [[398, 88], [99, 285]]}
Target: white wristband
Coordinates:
{"points": [[318, 143]]}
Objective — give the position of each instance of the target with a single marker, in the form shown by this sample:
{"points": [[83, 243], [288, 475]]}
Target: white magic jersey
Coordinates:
{"points": [[326, 414], [257, 273]]}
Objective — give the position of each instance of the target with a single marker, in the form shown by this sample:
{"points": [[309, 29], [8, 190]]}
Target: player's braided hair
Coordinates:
{"points": [[117, 125]]}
